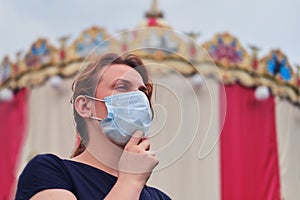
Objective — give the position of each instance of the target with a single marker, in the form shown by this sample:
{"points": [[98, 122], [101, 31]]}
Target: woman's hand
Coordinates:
{"points": [[135, 167], [137, 161]]}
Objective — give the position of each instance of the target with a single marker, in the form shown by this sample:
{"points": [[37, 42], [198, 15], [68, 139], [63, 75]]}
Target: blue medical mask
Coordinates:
{"points": [[127, 113]]}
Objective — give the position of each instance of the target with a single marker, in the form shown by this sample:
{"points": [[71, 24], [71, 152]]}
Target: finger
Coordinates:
{"points": [[145, 144], [135, 138]]}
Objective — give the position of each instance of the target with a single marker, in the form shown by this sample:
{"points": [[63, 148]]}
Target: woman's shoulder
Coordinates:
{"points": [[45, 162], [45, 171], [45, 159]]}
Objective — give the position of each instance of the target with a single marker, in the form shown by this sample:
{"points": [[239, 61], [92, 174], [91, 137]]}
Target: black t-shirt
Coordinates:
{"points": [[84, 181]]}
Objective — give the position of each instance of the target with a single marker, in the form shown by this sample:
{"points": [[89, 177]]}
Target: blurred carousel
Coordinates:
{"points": [[36, 116]]}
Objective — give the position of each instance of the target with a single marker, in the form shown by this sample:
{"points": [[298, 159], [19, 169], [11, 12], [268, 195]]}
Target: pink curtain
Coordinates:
{"points": [[249, 157], [13, 119]]}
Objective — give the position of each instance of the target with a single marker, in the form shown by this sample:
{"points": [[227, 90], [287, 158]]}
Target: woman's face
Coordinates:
{"points": [[116, 78]]}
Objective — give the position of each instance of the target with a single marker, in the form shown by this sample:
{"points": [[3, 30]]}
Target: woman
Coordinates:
{"points": [[112, 111]]}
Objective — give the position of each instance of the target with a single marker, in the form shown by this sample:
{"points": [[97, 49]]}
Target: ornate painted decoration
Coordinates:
{"points": [[157, 39], [40, 54], [227, 51], [91, 42], [276, 65]]}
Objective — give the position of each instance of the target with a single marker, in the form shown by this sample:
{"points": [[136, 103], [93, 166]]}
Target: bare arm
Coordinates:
{"points": [[54, 194]]}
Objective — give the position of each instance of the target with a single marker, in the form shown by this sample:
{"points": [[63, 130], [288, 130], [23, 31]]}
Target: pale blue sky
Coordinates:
{"points": [[266, 23]]}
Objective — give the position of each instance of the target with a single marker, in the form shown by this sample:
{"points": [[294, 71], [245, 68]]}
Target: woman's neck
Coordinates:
{"points": [[100, 152], [87, 158]]}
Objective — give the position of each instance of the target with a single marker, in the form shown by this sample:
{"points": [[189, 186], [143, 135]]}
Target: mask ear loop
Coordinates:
{"points": [[95, 99]]}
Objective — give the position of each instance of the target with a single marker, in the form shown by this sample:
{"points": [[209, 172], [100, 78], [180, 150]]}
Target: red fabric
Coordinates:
{"points": [[13, 120], [249, 157]]}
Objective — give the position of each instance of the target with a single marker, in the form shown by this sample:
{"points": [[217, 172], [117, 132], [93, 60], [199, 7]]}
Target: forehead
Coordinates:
{"points": [[116, 71]]}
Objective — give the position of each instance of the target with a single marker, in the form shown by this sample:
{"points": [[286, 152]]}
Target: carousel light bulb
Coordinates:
{"points": [[196, 80], [6, 95], [55, 82], [262, 93]]}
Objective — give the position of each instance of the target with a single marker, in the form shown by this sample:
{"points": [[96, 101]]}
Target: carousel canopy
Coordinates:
{"points": [[44, 60]]}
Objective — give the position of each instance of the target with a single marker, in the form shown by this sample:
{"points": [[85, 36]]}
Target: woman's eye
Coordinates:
{"points": [[121, 87]]}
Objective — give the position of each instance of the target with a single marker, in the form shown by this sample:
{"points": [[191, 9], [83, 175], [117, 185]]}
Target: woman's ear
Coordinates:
{"points": [[83, 106]]}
